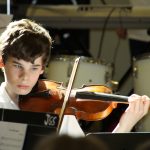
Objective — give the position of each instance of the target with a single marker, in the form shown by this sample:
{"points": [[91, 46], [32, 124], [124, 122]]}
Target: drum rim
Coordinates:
{"points": [[82, 58]]}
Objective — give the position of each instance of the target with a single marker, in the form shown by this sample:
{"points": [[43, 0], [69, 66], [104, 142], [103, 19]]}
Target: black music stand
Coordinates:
{"points": [[122, 141], [38, 124], [34, 134], [28, 117]]}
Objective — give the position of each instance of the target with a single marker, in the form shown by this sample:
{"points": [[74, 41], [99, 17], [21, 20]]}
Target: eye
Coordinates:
{"points": [[34, 68], [17, 66]]}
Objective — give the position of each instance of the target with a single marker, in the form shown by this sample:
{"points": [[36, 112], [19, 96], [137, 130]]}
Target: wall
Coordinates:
{"points": [[114, 50]]}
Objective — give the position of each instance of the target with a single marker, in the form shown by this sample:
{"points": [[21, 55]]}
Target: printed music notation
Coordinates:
{"points": [[12, 135]]}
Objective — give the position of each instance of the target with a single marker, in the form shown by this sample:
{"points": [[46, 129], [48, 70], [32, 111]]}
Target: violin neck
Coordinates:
{"points": [[102, 96]]}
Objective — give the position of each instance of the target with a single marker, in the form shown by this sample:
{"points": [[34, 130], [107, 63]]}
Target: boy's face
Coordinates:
{"points": [[21, 76]]}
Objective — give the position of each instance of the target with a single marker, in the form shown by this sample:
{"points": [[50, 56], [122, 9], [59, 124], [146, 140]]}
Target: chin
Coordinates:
{"points": [[24, 92]]}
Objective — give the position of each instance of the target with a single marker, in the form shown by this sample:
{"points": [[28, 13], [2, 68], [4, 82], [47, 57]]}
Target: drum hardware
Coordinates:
{"points": [[135, 68], [108, 77], [135, 71], [114, 85]]}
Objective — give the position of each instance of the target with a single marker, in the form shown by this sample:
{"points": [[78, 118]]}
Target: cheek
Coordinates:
{"points": [[12, 78], [35, 76], [10, 74]]}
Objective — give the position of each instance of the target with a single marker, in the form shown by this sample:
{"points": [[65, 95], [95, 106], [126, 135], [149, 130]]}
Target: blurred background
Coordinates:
{"points": [[112, 37]]}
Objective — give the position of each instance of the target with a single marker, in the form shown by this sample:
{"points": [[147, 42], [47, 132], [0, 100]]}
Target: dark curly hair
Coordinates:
{"points": [[27, 40]]}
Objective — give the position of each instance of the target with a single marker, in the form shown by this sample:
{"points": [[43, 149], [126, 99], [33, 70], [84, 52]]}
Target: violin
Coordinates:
{"points": [[89, 103]]}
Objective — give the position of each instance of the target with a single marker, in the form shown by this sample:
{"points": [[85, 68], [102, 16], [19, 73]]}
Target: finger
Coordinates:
{"points": [[146, 104], [145, 98], [132, 102], [139, 105], [133, 97]]}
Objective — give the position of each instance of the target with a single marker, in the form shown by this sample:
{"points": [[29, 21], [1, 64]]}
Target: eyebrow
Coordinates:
{"points": [[35, 65]]}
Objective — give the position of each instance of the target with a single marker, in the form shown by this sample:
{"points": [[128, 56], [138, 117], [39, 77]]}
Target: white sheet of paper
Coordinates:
{"points": [[12, 135]]}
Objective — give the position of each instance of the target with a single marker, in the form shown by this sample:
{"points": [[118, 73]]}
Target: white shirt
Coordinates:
{"points": [[70, 126], [5, 101]]}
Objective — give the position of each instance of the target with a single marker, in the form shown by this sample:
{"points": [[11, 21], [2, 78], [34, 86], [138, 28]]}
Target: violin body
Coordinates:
{"points": [[42, 103], [49, 98]]}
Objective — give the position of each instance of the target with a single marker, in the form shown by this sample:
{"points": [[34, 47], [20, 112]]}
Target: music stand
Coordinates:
{"points": [[34, 134], [39, 124]]}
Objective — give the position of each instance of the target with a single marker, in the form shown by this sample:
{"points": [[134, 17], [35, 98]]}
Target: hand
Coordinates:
{"points": [[137, 109]]}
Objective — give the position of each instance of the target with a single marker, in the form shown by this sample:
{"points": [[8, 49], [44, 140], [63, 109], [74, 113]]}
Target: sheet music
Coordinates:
{"points": [[12, 135]]}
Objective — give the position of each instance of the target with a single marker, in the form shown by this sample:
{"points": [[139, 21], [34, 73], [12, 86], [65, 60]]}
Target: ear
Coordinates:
{"points": [[1, 62]]}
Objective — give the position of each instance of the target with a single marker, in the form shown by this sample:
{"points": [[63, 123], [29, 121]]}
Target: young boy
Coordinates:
{"points": [[25, 49]]}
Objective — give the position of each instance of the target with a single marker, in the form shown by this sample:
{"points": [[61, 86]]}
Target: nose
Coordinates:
{"points": [[25, 75]]}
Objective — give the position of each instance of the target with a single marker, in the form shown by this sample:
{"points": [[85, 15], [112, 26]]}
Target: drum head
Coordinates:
{"points": [[89, 71]]}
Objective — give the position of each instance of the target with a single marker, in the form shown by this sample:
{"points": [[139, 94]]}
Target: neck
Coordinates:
{"points": [[13, 97]]}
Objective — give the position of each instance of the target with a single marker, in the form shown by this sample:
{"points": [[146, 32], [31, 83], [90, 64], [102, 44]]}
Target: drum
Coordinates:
{"points": [[89, 71], [141, 81]]}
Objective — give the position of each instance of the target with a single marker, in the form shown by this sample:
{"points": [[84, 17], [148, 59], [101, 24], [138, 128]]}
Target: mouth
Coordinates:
{"points": [[23, 86]]}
